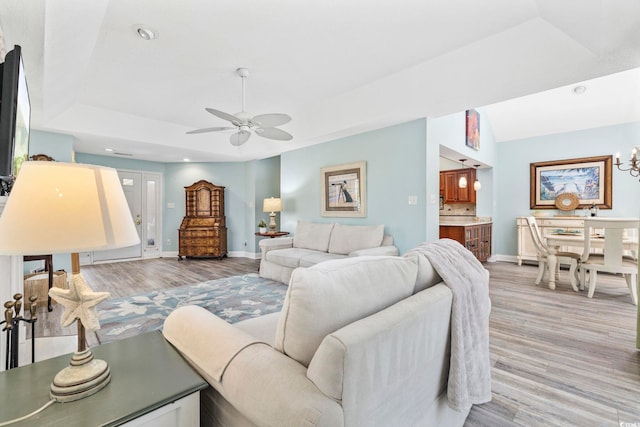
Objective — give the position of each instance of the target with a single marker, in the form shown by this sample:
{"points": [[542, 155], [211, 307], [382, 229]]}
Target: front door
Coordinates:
{"points": [[132, 185]]}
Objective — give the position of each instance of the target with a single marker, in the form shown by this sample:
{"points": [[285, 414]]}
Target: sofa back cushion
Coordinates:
{"points": [[388, 368], [348, 238], [323, 298], [312, 235]]}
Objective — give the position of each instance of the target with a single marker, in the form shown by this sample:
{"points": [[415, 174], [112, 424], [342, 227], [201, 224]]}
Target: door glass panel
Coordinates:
{"points": [[151, 217]]}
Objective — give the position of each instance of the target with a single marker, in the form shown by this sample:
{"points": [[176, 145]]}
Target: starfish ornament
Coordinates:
{"points": [[80, 302]]}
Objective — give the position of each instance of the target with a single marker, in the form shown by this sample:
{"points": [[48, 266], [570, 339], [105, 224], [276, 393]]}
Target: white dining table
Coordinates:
{"points": [[555, 241]]}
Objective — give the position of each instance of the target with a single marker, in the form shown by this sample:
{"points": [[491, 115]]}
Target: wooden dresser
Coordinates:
{"points": [[203, 232]]}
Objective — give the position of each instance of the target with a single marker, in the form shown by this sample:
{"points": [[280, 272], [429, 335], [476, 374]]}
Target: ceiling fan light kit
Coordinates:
{"points": [[263, 125]]}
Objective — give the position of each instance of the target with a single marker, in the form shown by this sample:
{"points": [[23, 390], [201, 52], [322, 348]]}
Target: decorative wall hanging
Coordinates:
{"points": [[473, 129], [344, 190], [588, 178]]}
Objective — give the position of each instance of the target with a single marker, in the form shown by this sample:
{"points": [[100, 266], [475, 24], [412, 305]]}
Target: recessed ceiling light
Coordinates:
{"points": [[186, 160], [579, 90], [110, 150], [145, 33]]}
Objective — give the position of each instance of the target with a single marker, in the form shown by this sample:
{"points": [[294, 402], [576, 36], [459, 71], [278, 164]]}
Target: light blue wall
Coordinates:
{"points": [[55, 145], [512, 174], [395, 159], [267, 184]]}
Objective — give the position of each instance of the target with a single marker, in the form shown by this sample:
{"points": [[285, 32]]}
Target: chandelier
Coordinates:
{"points": [[634, 168]]}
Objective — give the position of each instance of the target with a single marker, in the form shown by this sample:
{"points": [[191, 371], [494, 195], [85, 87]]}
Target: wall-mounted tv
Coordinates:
{"points": [[15, 116]]}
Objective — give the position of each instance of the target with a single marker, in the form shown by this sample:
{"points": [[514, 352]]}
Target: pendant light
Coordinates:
{"points": [[476, 185], [462, 182]]}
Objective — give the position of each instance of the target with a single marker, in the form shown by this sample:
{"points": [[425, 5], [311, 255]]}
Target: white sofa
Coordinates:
{"points": [[360, 341], [315, 242]]}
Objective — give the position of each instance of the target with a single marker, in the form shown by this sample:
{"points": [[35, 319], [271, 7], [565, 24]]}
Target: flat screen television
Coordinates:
{"points": [[15, 116]]}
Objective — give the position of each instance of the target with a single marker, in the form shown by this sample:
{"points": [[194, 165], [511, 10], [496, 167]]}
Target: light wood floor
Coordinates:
{"points": [[559, 358]]}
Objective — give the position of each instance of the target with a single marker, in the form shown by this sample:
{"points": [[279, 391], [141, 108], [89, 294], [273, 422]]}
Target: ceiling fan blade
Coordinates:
{"points": [[271, 120], [274, 133], [240, 137], [225, 116], [214, 129]]}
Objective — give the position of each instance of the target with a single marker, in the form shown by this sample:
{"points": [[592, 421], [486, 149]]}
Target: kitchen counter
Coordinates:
{"points": [[464, 221]]}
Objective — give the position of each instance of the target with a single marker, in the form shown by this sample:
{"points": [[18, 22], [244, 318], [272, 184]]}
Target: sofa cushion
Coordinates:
{"points": [[289, 257], [313, 259], [349, 238], [312, 235], [323, 298]]}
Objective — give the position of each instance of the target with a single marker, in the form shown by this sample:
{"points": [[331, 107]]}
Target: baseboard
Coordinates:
{"points": [[243, 254], [503, 258]]}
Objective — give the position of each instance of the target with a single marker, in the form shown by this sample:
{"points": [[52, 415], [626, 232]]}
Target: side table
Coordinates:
{"points": [[274, 234], [150, 384]]}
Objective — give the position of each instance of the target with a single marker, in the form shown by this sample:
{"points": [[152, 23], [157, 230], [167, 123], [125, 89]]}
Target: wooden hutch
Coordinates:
{"points": [[203, 232]]}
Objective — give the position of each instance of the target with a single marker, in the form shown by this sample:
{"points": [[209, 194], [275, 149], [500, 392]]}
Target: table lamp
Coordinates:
{"points": [[63, 208], [273, 205]]}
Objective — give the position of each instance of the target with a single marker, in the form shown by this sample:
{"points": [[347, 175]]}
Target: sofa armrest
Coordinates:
{"points": [[264, 385], [267, 245], [189, 328], [380, 250]]}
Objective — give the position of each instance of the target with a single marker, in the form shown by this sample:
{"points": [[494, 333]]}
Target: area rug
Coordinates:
{"points": [[233, 299]]}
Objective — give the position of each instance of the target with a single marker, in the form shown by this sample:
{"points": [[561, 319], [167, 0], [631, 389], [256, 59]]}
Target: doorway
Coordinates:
{"points": [[143, 193]]}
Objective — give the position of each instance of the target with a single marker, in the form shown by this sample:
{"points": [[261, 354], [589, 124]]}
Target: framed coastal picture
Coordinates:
{"points": [[588, 178], [344, 190], [473, 129]]}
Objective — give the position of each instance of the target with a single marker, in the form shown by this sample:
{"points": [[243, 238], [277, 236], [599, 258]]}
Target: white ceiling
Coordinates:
{"points": [[338, 67]]}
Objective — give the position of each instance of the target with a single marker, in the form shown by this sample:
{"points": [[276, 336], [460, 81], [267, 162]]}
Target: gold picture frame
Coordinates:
{"points": [[344, 190], [589, 178]]}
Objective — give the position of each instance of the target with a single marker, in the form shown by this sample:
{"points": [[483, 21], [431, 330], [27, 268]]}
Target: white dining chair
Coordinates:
{"points": [[614, 258], [544, 251]]}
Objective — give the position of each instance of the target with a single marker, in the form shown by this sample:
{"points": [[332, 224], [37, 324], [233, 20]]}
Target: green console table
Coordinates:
{"points": [[151, 385]]}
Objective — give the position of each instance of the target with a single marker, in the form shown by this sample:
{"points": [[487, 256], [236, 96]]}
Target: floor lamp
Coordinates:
{"points": [[58, 207]]}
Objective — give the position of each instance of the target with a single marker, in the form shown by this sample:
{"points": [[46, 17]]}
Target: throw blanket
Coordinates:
{"points": [[470, 368]]}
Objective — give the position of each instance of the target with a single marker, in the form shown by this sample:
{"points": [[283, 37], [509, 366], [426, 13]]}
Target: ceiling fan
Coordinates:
{"points": [[263, 125]]}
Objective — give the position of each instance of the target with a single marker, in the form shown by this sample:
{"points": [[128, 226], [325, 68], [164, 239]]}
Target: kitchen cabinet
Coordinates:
{"points": [[475, 237], [452, 192]]}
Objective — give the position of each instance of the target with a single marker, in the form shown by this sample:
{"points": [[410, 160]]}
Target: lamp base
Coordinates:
{"points": [[84, 377], [272, 222]]}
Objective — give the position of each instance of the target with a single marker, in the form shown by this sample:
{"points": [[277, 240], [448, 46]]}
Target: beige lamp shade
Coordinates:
{"points": [[272, 204], [59, 207]]}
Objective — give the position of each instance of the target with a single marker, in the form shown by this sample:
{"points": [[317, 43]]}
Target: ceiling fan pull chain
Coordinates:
{"points": [[243, 93]]}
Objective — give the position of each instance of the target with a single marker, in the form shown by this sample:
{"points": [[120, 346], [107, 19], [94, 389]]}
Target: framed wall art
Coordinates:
{"points": [[473, 129], [344, 190], [588, 178]]}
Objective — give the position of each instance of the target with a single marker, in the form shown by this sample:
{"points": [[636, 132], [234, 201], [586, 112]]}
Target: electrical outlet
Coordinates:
{"points": [[413, 200], [168, 241]]}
